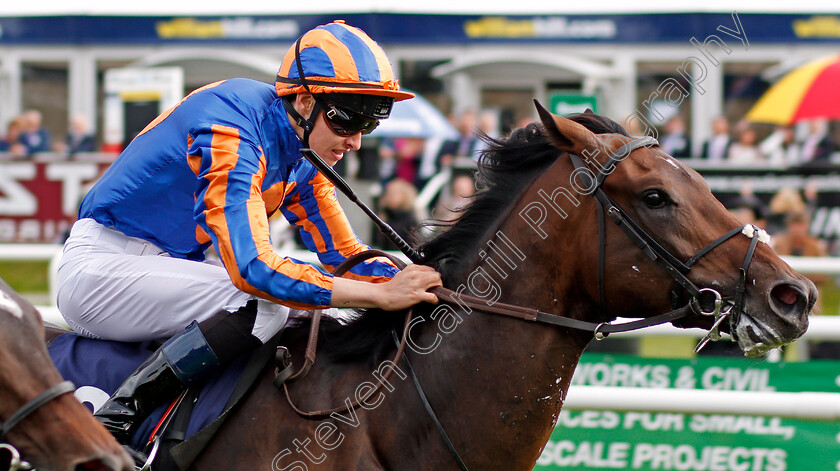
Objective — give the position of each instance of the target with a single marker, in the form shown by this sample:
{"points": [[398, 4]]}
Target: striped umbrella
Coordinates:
{"points": [[807, 92]]}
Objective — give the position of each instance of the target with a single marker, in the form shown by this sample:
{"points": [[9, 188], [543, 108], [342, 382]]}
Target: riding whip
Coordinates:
{"points": [[342, 185]]}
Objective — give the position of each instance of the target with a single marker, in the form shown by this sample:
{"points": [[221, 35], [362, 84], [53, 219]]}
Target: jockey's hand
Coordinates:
{"points": [[406, 289], [409, 287]]}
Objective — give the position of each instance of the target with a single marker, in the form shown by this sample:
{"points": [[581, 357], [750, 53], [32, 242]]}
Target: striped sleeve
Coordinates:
{"points": [[230, 209], [326, 231]]}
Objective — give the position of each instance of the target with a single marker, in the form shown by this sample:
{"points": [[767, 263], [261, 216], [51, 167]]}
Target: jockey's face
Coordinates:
{"points": [[329, 145], [323, 140]]}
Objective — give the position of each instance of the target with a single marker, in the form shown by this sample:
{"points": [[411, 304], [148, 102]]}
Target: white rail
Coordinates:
{"points": [[793, 405]]}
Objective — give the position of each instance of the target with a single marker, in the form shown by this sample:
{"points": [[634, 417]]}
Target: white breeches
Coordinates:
{"points": [[117, 287]]}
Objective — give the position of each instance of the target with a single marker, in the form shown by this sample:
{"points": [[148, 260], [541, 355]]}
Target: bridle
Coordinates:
{"points": [[25, 411], [703, 301]]}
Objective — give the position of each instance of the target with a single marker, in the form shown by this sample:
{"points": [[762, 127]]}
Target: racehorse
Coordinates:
{"points": [[38, 414], [537, 270]]}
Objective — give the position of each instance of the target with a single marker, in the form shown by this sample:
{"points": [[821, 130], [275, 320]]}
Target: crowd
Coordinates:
{"points": [[406, 165], [26, 136], [807, 143], [402, 167]]}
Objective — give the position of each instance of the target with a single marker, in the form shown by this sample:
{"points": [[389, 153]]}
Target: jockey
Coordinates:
{"points": [[209, 172]]}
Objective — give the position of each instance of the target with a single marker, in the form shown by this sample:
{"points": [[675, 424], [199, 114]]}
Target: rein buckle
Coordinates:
{"points": [[14, 462], [597, 332], [717, 312]]}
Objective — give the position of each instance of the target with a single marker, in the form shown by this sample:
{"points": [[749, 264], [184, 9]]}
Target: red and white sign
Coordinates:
{"points": [[39, 201]]}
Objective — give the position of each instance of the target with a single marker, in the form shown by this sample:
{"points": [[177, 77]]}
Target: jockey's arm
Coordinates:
{"points": [[370, 284], [404, 290]]}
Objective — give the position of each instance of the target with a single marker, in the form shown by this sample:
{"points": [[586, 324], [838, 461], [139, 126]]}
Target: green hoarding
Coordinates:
{"points": [[606, 439], [565, 104]]}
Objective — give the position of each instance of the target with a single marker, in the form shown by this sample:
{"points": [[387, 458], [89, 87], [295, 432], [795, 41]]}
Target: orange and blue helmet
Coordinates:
{"points": [[337, 58]]}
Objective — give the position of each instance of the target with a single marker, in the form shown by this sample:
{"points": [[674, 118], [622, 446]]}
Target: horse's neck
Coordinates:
{"points": [[502, 374]]}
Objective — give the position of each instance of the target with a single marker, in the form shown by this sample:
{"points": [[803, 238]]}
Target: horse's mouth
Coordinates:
{"points": [[755, 338]]}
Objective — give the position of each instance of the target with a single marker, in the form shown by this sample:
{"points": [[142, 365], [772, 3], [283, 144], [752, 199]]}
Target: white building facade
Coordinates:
{"points": [[647, 67]]}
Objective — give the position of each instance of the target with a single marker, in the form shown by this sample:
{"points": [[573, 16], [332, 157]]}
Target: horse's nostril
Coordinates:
{"points": [[785, 294]]}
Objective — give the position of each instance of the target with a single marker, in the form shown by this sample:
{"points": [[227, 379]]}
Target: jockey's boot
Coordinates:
{"points": [[182, 360]]}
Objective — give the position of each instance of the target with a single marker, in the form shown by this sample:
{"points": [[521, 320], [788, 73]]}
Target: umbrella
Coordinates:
{"points": [[809, 91], [415, 118]]}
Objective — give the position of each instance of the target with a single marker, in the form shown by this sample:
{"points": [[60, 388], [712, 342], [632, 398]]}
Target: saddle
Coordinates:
{"points": [[176, 434]]}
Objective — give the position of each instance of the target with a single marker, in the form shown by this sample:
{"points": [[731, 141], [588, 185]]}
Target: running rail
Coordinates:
{"points": [[792, 405]]}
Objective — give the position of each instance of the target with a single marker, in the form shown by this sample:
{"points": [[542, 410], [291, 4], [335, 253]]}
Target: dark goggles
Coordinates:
{"points": [[347, 123]]}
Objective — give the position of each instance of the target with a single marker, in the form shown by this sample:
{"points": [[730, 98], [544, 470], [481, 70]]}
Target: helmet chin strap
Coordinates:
{"points": [[306, 124]]}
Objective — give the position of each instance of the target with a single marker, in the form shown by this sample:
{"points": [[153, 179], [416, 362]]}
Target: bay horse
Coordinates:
{"points": [[39, 416], [535, 236]]}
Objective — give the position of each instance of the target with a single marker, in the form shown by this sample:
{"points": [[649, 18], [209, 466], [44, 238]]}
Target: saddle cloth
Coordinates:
{"points": [[98, 367]]}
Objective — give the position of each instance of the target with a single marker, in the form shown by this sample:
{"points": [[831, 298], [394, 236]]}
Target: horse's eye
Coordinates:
{"points": [[655, 198]]}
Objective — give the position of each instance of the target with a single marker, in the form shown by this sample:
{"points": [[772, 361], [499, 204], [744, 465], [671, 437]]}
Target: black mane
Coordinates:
{"points": [[506, 167]]}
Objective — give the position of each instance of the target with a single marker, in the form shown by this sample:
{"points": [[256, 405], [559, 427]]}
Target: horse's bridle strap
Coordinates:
{"points": [[40, 400], [533, 315]]}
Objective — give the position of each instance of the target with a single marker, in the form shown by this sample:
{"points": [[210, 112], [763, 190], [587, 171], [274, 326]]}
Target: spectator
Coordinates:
{"points": [[781, 148], [449, 208], [79, 136], [817, 146], [408, 153], [717, 147], [796, 240], [675, 142], [748, 211], [397, 209], [745, 151], [429, 164], [387, 159], [467, 142], [34, 135], [11, 141], [786, 201], [488, 123], [810, 195]]}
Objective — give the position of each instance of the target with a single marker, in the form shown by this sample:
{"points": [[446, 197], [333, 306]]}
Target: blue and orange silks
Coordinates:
{"points": [[212, 170]]}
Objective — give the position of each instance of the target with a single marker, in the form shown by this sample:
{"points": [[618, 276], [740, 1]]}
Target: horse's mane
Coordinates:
{"points": [[505, 168]]}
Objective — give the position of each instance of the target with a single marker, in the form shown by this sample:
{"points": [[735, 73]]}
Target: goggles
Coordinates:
{"points": [[347, 123]]}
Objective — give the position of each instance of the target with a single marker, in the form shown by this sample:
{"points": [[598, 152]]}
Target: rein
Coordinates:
{"points": [[40, 400], [704, 301], [60, 389], [283, 377]]}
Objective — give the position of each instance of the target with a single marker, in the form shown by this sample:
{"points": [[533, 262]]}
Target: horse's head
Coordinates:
{"points": [[59, 434], [670, 205]]}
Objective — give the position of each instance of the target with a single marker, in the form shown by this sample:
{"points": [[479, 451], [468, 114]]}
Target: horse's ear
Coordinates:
{"points": [[564, 133]]}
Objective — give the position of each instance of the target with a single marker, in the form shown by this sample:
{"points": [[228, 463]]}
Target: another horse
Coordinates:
{"points": [[533, 237], [55, 431]]}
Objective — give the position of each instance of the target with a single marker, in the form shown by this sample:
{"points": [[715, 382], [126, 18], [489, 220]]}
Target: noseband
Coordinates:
{"points": [[704, 301], [30, 407]]}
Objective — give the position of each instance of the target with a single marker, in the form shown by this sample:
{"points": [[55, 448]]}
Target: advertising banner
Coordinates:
{"points": [[605, 439], [39, 201], [416, 28]]}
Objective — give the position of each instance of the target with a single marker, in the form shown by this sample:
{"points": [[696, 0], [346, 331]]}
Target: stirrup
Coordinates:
{"points": [[143, 461]]}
